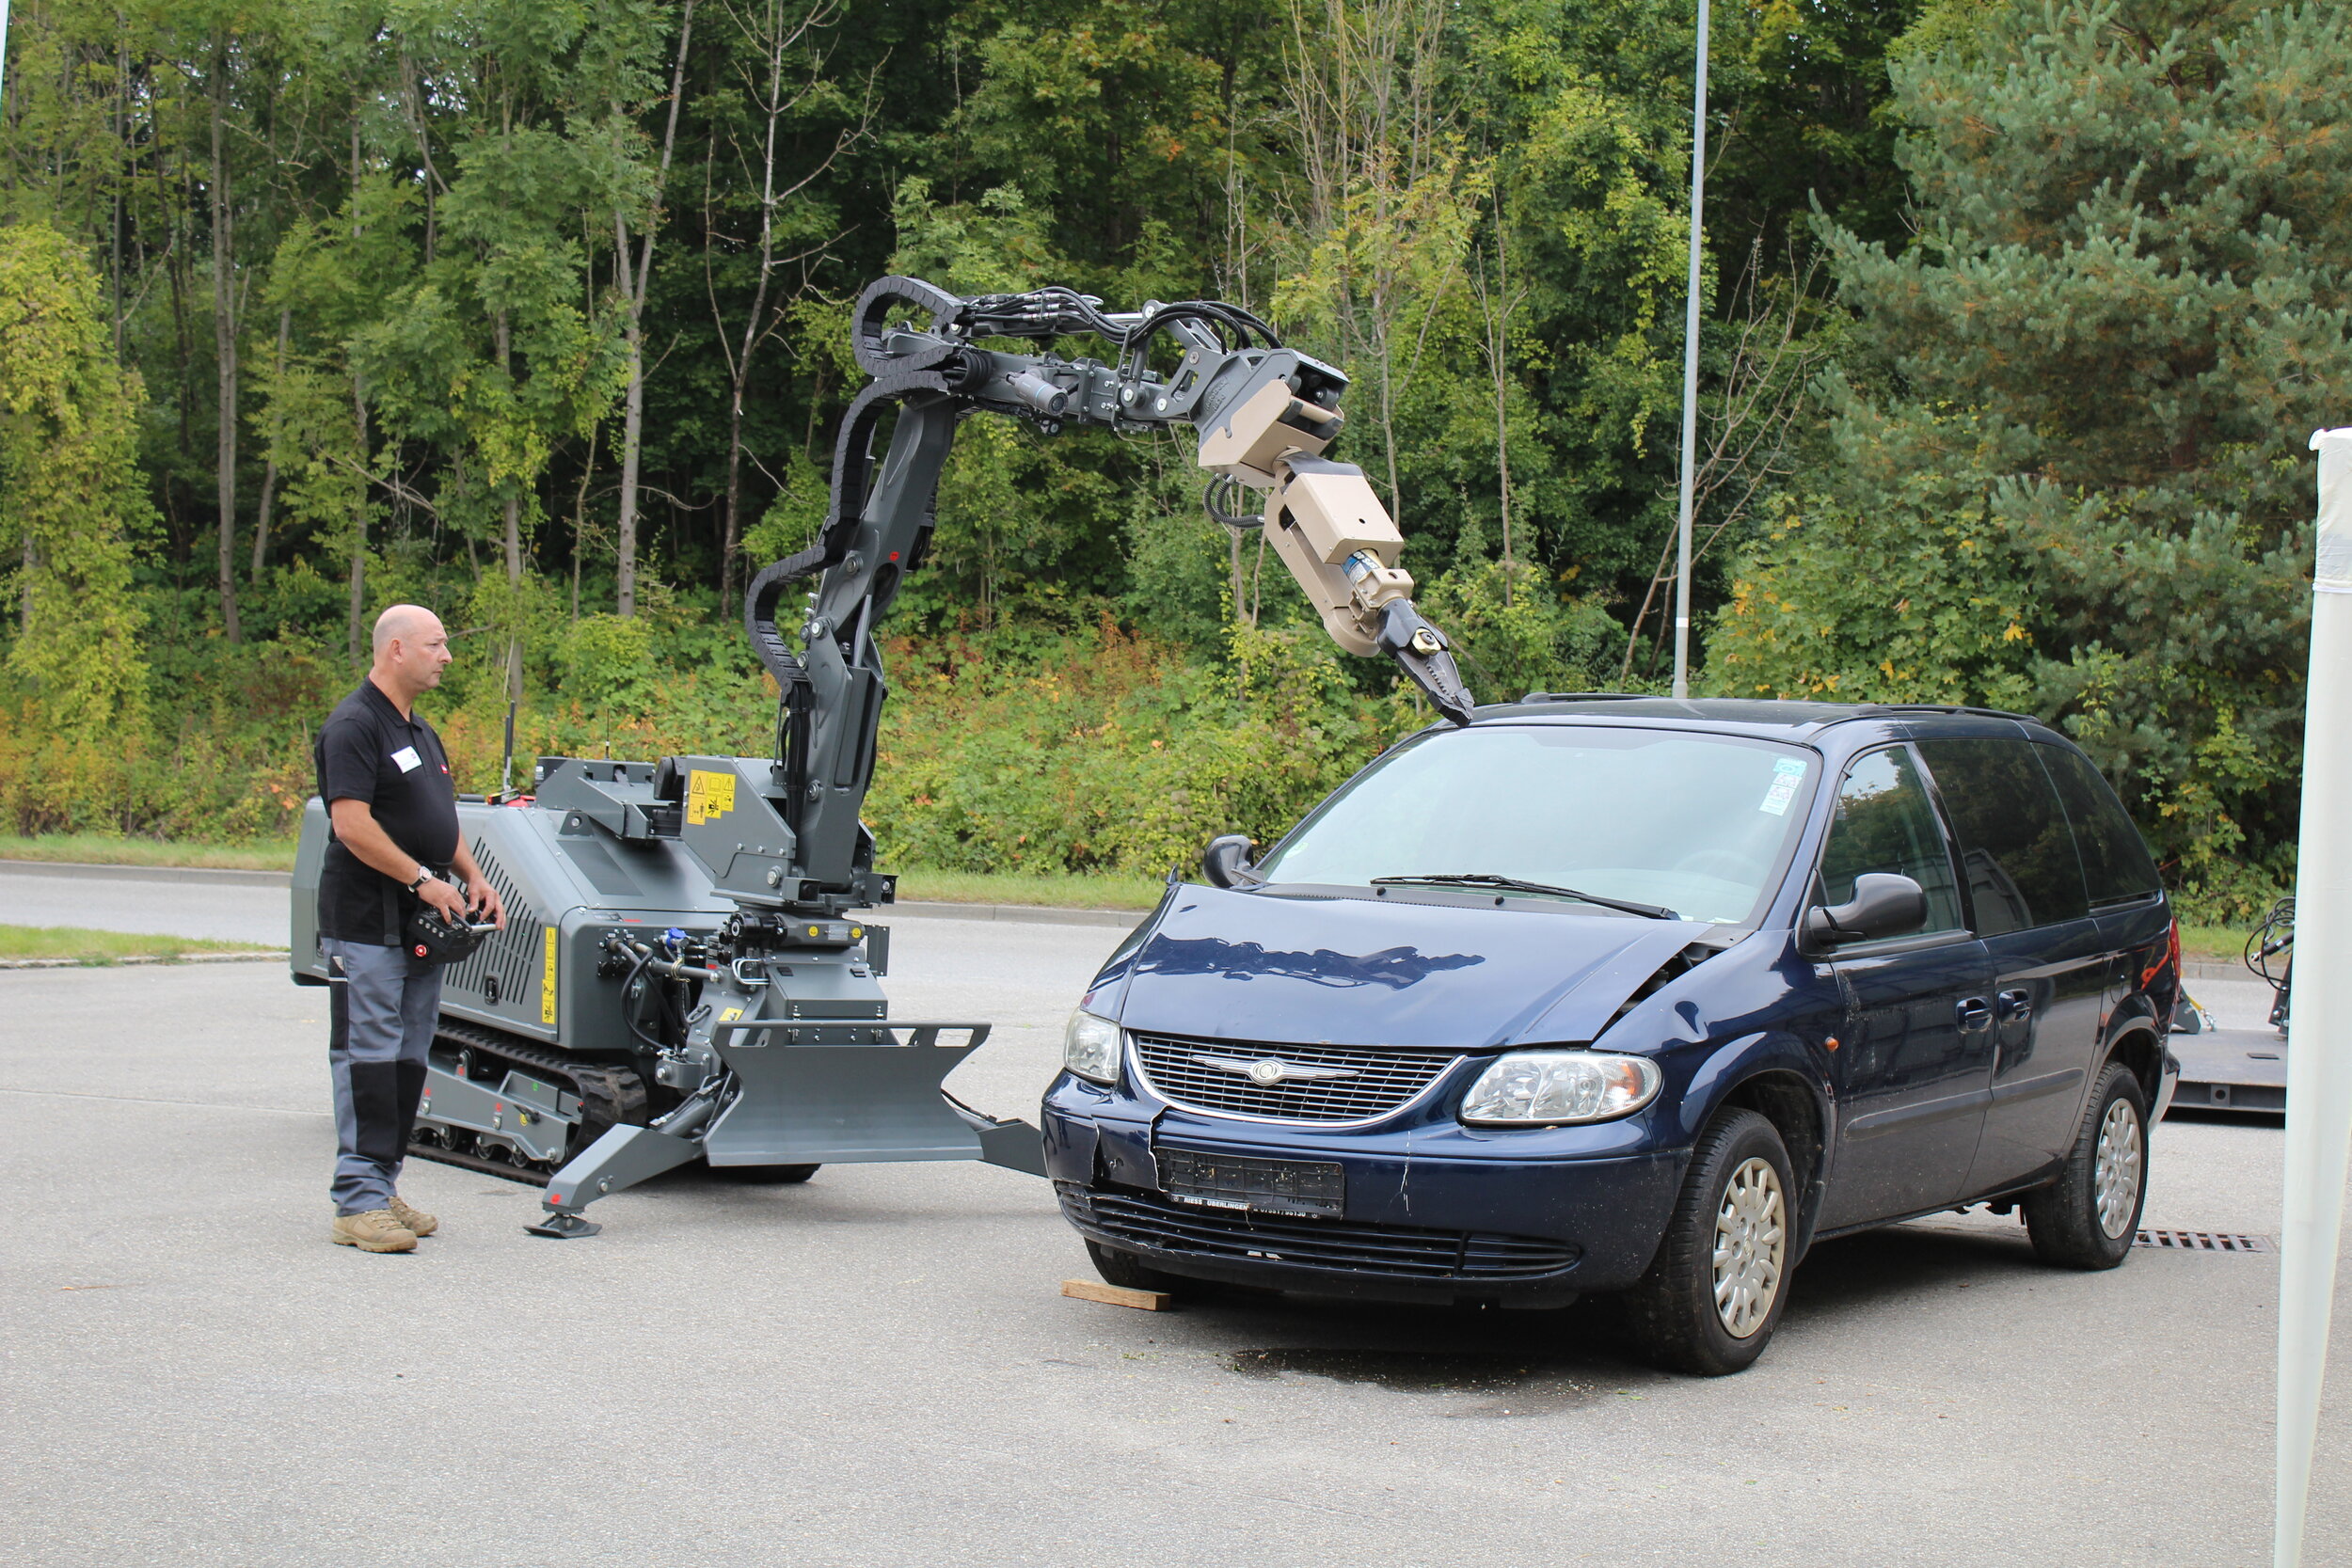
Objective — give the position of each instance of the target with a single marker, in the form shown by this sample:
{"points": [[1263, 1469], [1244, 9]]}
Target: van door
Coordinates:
{"points": [[1911, 1068], [2051, 962], [2126, 894]]}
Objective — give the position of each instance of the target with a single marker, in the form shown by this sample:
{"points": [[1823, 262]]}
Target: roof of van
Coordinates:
{"points": [[1736, 713]]}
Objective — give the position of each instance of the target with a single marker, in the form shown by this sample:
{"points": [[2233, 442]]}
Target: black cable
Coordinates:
{"points": [[2274, 936], [1056, 312], [1230, 488], [1042, 313], [1235, 328], [629, 1007]]}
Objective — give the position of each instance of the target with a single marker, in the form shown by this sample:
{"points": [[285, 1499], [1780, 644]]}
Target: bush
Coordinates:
{"points": [[1114, 753]]}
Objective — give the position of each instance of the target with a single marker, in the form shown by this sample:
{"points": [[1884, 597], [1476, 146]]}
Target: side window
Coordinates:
{"points": [[2116, 864], [1885, 822], [2014, 846]]}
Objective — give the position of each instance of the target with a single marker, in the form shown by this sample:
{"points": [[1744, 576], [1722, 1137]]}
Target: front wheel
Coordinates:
{"points": [[1713, 1294], [2089, 1216]]}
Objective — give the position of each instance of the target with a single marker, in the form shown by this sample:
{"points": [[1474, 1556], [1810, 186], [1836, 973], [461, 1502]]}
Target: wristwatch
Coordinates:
{"points": [[424, 875]]}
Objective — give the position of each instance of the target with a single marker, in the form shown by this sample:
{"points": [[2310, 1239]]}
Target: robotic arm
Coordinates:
{"points": [[1265, 415]]}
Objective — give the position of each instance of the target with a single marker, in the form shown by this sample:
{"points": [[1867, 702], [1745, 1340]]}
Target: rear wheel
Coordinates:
{"points": [[2089, 1216], [1713, 1294], [1128, 1272]]}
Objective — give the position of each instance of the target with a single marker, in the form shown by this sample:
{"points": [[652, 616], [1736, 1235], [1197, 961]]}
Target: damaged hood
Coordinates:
{"points": [[1218, 964]]}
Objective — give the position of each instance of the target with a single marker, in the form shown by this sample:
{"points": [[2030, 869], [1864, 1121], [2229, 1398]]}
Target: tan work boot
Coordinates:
{"points": [[419, 1222], [377, 1230]]}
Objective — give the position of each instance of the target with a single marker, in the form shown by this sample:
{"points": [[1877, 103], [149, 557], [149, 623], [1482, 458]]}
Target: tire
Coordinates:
{"points": [[1128, 1272], [2089, 1216], [1738, 1184], [780, 1175]]}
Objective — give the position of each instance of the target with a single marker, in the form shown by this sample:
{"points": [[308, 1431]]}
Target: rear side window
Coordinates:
{"points": [[1885, 823], [2116, 863], [2015, 849]]}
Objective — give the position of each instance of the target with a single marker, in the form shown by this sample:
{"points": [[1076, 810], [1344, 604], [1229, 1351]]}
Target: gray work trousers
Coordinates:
{"points": [[381, 1007]]}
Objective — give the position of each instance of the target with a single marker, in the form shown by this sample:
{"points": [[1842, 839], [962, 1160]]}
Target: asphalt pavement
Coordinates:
{"points": [[878, 1368], [215, 906]]}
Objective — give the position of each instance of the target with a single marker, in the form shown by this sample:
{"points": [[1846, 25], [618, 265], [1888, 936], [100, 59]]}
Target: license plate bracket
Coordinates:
{"points": [[1248, 1181]]}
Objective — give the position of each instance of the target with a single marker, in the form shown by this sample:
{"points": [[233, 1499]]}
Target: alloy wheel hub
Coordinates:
{"points": [[2116, 1172], [1750, 1245]]}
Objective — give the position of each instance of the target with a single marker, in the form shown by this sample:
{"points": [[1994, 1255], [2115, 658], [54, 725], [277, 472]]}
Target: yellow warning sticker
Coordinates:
{"points": [[730, 1015], [708, 796], [547, 983]]}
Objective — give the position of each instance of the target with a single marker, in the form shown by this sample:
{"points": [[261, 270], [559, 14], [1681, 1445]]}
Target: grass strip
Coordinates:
{"points": [[2213, 945], [102, 849], [86, 947], [1104, 891]]}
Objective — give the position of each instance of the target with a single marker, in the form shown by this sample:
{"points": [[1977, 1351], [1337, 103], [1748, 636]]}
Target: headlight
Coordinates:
{"points": [[1090, 1047], [1534, 1087]]}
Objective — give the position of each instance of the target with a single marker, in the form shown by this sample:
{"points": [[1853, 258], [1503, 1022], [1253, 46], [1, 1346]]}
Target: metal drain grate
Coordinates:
{"points": [[2205, 1240]]}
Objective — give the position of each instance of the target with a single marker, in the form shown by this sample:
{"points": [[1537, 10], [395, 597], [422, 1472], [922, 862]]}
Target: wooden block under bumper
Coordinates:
{"points": [[1116, 1295]]}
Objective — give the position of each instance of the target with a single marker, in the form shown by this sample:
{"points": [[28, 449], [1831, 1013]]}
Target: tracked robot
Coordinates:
{"points": [[685, 974]]}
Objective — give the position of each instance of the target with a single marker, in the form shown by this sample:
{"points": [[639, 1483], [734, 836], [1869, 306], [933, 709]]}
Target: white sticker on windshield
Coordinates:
{"points": [[1787, 772]]}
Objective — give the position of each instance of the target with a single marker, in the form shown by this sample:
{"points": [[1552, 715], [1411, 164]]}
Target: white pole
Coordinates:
{"points": [[2320, 1065], [1690, 365]]}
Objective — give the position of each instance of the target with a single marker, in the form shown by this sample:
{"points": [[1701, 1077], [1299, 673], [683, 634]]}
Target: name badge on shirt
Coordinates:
{"points": [[407, 759]]}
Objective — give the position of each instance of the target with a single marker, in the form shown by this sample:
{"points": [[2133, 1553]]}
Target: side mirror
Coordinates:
{"points": [[1883, 905], [1226, 861]]}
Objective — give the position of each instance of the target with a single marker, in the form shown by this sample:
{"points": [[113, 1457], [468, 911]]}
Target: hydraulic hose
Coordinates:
{"points": [[690, 1114], [628, 1012]]}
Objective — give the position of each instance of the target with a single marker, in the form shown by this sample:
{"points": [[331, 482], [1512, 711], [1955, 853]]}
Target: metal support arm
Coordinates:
{"points": [[1265, 414]]}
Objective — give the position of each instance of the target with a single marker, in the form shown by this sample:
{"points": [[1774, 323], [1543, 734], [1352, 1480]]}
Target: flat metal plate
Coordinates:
{"points": [[2232, 1070], [840, 1104], [1245, 1181]]}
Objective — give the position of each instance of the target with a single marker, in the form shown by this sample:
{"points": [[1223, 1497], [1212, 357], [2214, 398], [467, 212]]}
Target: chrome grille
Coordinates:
{"points": [[1376, 1082]]}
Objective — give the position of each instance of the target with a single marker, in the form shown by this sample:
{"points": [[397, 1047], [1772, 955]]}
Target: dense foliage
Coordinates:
{"points": [[533, 311], [2068, 430]]}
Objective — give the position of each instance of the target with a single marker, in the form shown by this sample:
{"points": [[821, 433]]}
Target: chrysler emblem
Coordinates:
{"points": [[1272, 1069]]}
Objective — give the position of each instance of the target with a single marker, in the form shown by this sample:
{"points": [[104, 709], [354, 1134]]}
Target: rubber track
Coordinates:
{"points": [[609, 1096]]}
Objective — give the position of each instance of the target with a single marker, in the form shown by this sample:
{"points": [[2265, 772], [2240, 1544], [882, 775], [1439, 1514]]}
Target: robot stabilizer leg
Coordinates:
{"points": [[622, 1157]]}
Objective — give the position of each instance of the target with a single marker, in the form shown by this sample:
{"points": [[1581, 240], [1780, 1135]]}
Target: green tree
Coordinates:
{"points": [[72, 503], [2127, 304], [502, 345]]}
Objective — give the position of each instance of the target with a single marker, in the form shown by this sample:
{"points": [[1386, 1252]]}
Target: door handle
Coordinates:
{"points": [[2015, 1004], [1974, 1013]]}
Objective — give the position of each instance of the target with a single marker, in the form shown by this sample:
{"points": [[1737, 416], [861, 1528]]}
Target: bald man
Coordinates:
{"points": [[395, 846]]}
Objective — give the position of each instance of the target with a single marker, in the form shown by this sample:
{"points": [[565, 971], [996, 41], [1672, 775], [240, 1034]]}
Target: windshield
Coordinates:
{"points": [[1694, 823]]}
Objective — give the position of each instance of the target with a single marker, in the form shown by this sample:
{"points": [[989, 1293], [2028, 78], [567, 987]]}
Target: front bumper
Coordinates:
{"points": [[1433, 1213]]}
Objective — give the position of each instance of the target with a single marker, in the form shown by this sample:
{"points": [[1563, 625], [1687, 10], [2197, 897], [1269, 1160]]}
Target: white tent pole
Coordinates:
{"points": [[2319, 1030], [1690, 365]]}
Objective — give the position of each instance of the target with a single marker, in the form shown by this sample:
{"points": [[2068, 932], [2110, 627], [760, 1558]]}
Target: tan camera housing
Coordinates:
{"points": [[1271, 423], [1322, 515]]}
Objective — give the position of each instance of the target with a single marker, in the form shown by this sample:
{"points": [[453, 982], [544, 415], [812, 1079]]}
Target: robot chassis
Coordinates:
{"points": [[682, 976]]}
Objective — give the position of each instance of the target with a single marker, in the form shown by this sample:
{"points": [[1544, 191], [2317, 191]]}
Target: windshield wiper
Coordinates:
{"points": [[1487, 878]]}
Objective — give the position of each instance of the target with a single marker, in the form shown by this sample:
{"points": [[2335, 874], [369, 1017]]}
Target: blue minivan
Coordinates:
{"points": [[1633, 995]]}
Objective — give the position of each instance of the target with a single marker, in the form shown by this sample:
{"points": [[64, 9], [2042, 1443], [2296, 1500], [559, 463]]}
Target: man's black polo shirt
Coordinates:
{"points": [[367, 752]]}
